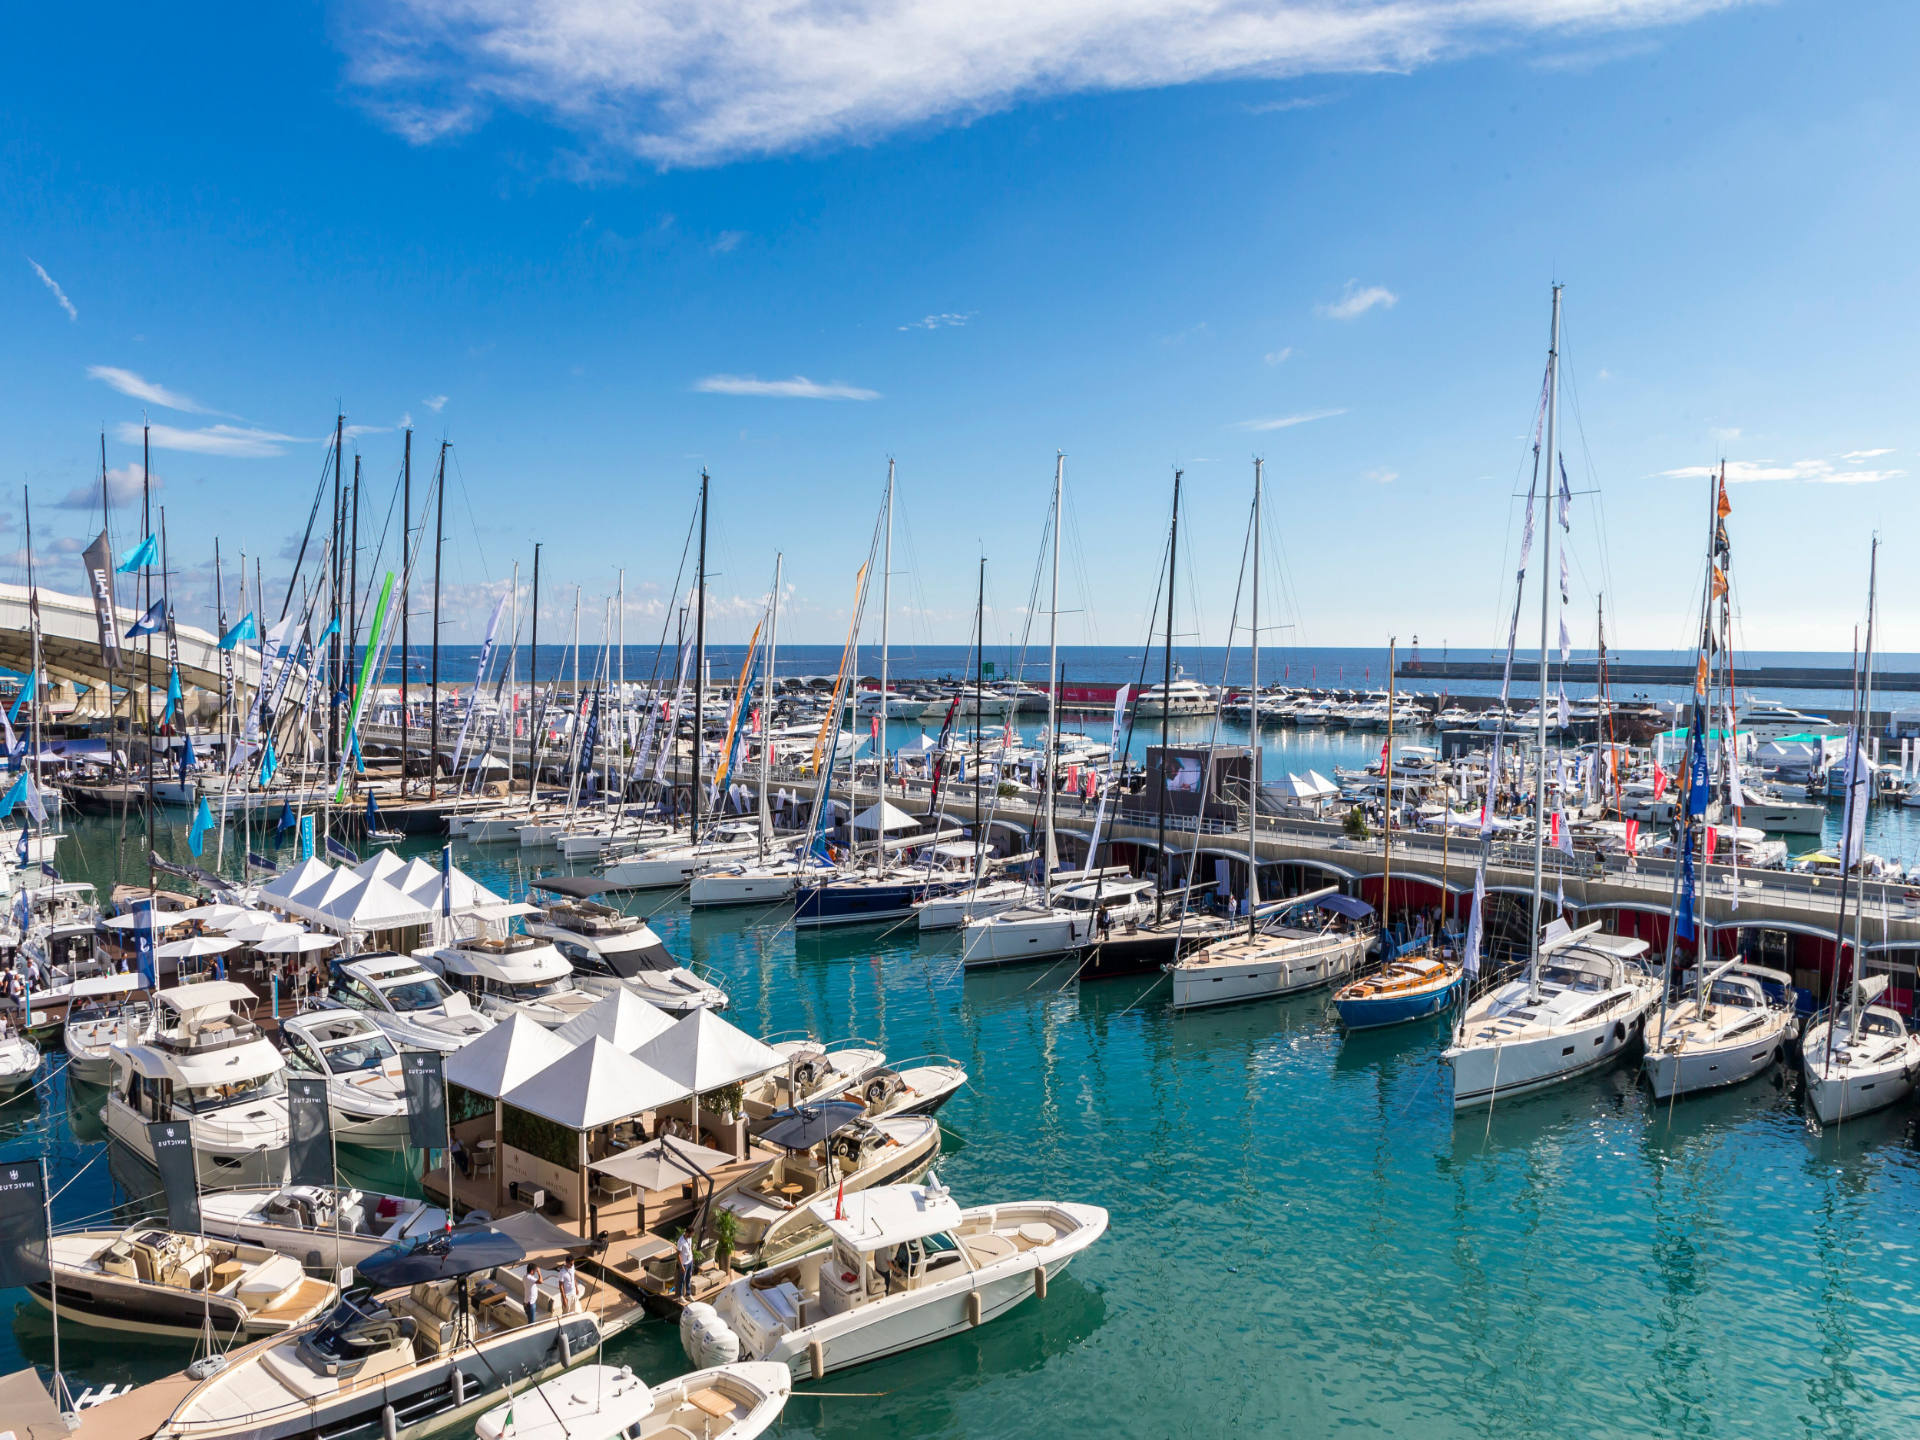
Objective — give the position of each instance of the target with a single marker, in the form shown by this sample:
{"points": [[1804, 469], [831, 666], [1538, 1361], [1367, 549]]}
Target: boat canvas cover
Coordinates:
{"points": [[216, 995], [106, 985], [439, 1257], [704, 1052], [622, 1018], [593, 1085], [1347, 905], [506, 1055], [580, 887], [805, 1127], [889, 1215], [536, 1234]]}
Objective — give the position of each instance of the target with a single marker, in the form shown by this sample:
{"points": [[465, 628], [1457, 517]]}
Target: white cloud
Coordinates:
{"points": [[938, 322], [1287, 422], [1806, 472], [128, 383], [1355, 301], [1725, 434], [1381, 477], [727, 241], [683, 84], [1280, 356], [435, 403], [1854, 457], [123, 486], [354, 432], [1282, 107], [54, 285], [238, 442], [798, 388]]}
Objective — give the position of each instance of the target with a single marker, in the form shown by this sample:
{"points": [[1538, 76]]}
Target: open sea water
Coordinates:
{"points": [[1304, 1240]]}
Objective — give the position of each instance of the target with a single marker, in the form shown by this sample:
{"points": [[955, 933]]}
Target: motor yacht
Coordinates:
{"points": [[104, 1011], [415, 1007], [1730, 1025], [366, 1093], [504, 975], [813, 1072], [154, 1281], [1300, 944], [1180, 697], [611, 950], [1582, 1003], [1772, 720], [206, 1066], [324, 1228], [19, 1059], [1780, 812], [599, 1402], [906, 1266], [909, 1087], [1860, 1059], [828, 1147], [1075, 916]]}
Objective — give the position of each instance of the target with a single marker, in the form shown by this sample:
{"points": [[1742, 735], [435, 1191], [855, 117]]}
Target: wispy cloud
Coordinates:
{"points": [[1854, 457], [1297, 102], [354, 432], [727, 241], [54, 285], [1356, 300], [154, 393], [1280, 356], [946, 321], [679, 84], [798, 388], [435, 403], [123, 486], [1287, 422], [1805, 472], [238, 442], [1380, 477]]}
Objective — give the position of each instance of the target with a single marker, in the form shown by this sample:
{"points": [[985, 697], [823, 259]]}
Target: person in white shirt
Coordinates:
{"points": [[685, 1251], [569, 1287]]}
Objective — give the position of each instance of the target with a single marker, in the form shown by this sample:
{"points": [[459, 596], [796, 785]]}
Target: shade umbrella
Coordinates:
{"points": [[220, 917], [264, 929], [805, 1126], [662, 1163], [303, 943], [162, 920], [196, 945], [439, 1257]]}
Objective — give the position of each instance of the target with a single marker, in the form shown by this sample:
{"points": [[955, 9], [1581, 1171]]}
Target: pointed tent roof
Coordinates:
{"points": [[622, 1018], [511, 1052], [285, 886], [882, 816], [703, 1052], [369, 905], [468, 893], [315, 899], [380, 865], [415, 873], [593, 1085], [920, 746]]}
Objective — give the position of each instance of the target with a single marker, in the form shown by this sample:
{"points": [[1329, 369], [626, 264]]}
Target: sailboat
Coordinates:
{"points": [[377, 833], [1584, 996]]}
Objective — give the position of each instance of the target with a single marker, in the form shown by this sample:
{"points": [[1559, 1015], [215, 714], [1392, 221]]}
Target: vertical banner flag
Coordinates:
{"points": [[145, 961], [306, 837], [479, 679], [99, 563], [172, 1143], [360, 690], [1113, 760], [202, 822], [1470, 951], [426, 1099], [310, 1151], [23, 1222]]}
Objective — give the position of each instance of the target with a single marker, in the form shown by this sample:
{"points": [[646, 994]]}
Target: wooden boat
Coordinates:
{"points": [[1412, 987]]}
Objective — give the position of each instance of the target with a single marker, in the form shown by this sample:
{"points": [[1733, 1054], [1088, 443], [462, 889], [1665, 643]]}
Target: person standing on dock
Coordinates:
{"points": [[569, 1286], [684, 1249], [530, 1292]]}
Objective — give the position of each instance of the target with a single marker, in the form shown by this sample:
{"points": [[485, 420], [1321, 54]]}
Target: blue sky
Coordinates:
{"points": [[597, 247]]}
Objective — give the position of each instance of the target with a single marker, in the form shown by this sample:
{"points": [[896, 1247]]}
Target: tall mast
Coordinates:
{"points": [[353, 583], [33, 637], [1546, 589], [146, 578], [979, 716], [1166, 694], [1253, 759], [439, 540], [406, 607], [533, 692], [699, 663], [338, 580], [886, 605], [1386, 770], [1865, 723], [766, 706], [1053, 668]]}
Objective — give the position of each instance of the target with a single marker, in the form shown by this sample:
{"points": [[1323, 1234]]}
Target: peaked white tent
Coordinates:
{"points": [[881, 816], [622, 1019], [283, 888], [593, 1085], [381, 865], [704, 1052], [505, 1056]]}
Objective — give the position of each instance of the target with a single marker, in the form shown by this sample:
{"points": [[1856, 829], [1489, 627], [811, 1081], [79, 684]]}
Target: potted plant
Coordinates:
{"points": [[726, 1230], [1355, 824]]}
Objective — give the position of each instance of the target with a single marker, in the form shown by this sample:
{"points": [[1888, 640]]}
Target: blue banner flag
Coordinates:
{"points": [[26, 694], [146, 962], [333, 629], [173, 694], [306, 837], [16, 794], [268, 763], [202, 822], [246, 629], [446, 881], [187, 758], [143, 554], [1699, 783], [341, 852], [151, 623]]}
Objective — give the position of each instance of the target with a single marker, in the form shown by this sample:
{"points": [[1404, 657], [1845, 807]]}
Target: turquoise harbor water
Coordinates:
{"points": [[1304, 1241]]}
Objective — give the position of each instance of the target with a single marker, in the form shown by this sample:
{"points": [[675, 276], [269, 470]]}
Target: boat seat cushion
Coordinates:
{"points": [[269, 1280], [985, 1249]]}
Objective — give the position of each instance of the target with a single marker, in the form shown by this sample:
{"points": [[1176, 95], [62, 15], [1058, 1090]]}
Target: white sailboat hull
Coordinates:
{"points": [[1857, 1079], [1685, 1068], [1286, 970], [1483, 1074], [749, 887]]}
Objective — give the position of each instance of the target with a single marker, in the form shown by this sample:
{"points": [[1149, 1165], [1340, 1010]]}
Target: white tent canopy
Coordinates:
{"points": [[703, 1052], [593, 1085], [510, 1053], [283, 888], [622, 1018], [884, 817]]}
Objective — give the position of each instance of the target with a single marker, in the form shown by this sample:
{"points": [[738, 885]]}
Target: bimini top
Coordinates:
{"points": [[581, 887], [439, 1257], [888, 1215], [806, 1126], [1347, 905], [206, 994]]}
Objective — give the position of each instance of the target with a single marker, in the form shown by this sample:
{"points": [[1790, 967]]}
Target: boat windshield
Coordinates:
{"points": [[1569, 977], [423, 993], [360, 1052], [203, 1099], [533, 989]]}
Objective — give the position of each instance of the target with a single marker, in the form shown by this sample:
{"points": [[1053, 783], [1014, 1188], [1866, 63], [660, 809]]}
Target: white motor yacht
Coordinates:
{"points": [[1075, 916], [1582, 1003], [19, 1059], [1181, 697], [1303, 943], [1771, 720], [104, 1011], [207, 1066], [504, 975], [1727, 1030], [814, 1072], [598, 1402], [322, 1227], [673, 865], [1861, 1059], [414, 1006], [366, 1093], [906, 1266], [610, 950]]}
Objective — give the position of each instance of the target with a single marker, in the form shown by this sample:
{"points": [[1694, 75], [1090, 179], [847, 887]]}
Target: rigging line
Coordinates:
{"points": [[466, 501]]}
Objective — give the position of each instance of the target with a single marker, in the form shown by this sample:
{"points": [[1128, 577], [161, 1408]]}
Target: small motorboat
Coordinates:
{"points": [[156, 1281], [19, 1060], [105, 1011], [366, 1094], [911, 1087], [1412, 987], [599, 1402], [323, 1227], [906, 1266]]}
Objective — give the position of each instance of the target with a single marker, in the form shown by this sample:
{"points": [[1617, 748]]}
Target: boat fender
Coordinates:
{"points": [[706, 1338], [1039, 1282], [389, 1423], [313, 1260], [566, 1347], [1620, 1032], [816, 1359], [459, 1387], [973, 1307]]}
